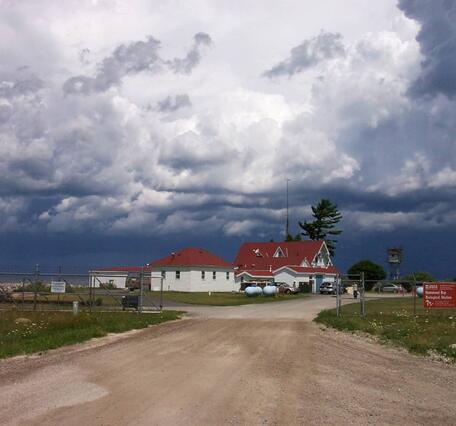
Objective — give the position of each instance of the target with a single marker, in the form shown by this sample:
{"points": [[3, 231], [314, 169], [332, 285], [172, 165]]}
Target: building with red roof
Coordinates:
{"points": [[193, 269], [298, 263]]}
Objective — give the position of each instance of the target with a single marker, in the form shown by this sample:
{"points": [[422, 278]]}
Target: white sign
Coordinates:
{"points": [[58, 286]]}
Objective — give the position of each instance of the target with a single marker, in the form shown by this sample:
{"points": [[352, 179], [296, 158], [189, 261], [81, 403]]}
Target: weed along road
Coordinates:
{"points": [[244, 365]]}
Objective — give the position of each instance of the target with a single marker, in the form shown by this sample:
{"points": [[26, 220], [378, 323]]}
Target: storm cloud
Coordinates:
{"points": [[179, 136], [437, 38]]}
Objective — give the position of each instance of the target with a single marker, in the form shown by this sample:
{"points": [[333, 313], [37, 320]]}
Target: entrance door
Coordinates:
{"points": [[318, 281]]}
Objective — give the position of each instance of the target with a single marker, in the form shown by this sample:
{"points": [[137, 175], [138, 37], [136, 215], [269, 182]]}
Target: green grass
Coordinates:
{"points": [[223, 299], [392, 320], [49, 330]]}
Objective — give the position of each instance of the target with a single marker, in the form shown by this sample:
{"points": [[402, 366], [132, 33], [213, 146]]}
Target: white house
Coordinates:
{"points": [[193, 269], [298, 263]]}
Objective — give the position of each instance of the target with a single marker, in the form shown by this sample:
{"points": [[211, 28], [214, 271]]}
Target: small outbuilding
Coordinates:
{"points": [[193, 269]]}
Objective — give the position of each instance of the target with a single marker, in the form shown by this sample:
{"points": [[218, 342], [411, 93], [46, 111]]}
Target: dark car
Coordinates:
{"points": [[130, 301]]}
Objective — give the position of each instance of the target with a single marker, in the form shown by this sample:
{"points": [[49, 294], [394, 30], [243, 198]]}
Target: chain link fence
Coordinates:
{"points": [[350, 288], [94, 291]]}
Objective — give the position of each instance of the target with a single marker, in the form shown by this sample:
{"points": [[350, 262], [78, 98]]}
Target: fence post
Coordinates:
{"points": [[161, 293], [91, 283], [362, 307], [338, 295], [414, 295], [141, 283], [35, 286]]}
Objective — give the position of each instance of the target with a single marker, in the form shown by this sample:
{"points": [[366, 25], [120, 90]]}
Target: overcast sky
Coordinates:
{"points": [[129, 129]]}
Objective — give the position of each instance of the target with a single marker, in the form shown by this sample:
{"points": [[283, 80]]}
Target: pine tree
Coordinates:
{"points": [[326, 216]]}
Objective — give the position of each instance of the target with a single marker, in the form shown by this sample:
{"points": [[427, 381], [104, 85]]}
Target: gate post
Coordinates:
{"points": [[35, 286], [338, 295], [141, 283], [361, 306]]}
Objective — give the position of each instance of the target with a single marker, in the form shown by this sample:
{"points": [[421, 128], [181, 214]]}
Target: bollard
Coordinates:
{"points": [[75, 307]]}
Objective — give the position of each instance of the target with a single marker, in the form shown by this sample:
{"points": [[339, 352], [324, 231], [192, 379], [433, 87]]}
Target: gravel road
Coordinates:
{"points": [[258, 364]]}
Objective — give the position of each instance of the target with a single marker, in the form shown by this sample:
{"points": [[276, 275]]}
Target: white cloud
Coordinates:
{"points": [[206, 148]]}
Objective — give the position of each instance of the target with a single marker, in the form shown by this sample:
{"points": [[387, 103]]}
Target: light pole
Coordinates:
{"points": [[287, 226]]}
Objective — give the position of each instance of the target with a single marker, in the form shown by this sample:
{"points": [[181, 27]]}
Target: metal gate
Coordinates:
{"points": [[93, 291]]}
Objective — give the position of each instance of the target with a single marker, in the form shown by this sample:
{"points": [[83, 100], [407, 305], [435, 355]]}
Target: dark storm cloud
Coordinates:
{"points": [[437, 39], [309, 53], [133, 58], [173, 103]]}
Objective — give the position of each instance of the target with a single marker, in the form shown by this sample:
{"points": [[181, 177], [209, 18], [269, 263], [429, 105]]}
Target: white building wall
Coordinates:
{"points": [[119, 279], [190, 279], [171, 283], [220, 283], [286, 277]]}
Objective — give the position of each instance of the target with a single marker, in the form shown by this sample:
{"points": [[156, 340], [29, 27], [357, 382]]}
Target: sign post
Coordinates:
{"points": [[439, 295]]}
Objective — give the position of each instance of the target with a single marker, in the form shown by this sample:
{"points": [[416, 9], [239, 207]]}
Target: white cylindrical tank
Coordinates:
{"points": [[253, 291], [419, 291], [270, 290]]}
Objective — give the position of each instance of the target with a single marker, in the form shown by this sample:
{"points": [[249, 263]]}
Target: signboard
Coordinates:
{"points": [[439, 295], [58, 286]]}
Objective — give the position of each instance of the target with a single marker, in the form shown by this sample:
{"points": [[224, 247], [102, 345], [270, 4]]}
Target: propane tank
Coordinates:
{"points": [[253, 291], [419, 291], [270, 290]]}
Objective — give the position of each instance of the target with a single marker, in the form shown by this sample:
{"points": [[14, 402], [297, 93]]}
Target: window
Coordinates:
{"points": [[163, 274], [111, 282], [227, 275], [214, 275], [203, 275], [178, 275]]}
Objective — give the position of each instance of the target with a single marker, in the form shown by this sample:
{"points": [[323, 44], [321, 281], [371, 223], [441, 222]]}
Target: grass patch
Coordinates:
{"points": [[49, 330], [393, 320], [223, 299]]}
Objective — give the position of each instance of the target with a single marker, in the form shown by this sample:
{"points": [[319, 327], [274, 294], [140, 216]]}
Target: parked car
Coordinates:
{"points": [[331, 288], [286, 288], [392, 288], [327, 288]]}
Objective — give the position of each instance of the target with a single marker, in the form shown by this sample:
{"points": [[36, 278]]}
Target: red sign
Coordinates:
{"points": [[439, 295]]}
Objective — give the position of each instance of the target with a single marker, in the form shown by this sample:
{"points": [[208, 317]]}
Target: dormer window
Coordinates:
{"points": [[279, 253], [257, 253]]}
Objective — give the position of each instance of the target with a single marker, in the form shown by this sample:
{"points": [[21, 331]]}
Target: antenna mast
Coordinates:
{"points": [[287, 226]]}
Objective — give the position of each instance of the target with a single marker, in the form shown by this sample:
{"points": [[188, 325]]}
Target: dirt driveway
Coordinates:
{"points": [[249, 365]]}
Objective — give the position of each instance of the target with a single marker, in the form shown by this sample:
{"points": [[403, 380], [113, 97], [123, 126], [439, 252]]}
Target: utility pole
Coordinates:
{"points": [[287, 226]]}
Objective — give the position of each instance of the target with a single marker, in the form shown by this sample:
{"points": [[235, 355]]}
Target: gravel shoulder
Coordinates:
{"points": [[254, 364]]}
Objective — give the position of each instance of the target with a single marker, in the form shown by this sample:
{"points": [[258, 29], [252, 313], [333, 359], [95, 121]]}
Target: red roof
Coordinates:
{"points": [[257, 273], [318, 270], [123, 269], [254, 256], [192, 257]]}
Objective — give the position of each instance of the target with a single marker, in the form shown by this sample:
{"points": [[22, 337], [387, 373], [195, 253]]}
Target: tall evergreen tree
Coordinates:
{"points": [[326, 216]]}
